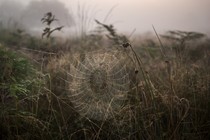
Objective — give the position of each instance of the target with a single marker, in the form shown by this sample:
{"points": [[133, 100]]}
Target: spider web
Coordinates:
{"points": [[99, 83]]}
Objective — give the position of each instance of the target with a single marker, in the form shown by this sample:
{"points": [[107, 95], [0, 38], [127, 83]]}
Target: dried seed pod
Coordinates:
{"points": [[125, 45], [136, 71]]}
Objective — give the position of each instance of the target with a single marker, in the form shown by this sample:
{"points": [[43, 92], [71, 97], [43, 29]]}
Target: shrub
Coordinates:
{"points": [[19, 88]]}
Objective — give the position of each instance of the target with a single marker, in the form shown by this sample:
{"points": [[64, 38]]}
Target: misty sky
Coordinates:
{"points": [[188, 15]]}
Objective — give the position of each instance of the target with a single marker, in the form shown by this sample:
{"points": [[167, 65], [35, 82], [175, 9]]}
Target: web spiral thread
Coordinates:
{"points": [[99, 83]]}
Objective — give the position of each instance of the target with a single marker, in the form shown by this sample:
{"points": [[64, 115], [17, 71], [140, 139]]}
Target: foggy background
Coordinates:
{"points": [[125, 15]]}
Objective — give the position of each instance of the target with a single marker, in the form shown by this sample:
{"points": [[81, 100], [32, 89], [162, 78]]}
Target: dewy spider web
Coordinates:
{"points": [[99, 83]]}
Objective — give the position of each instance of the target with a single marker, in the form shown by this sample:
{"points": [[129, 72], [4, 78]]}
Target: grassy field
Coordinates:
{"points": [[101, 86]]}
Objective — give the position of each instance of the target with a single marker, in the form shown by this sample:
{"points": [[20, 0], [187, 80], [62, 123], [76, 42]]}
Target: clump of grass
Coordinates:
{"points": [[19, 88], [158, 106], [163, 104], [168, 100]]}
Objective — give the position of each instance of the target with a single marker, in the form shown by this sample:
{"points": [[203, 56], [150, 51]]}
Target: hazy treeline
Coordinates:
{"points": [[14, 14]]}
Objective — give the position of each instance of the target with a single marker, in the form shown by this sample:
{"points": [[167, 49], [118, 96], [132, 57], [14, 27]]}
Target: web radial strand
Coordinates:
{"points": [[78, 70], [82, 66], [99, 84]]}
